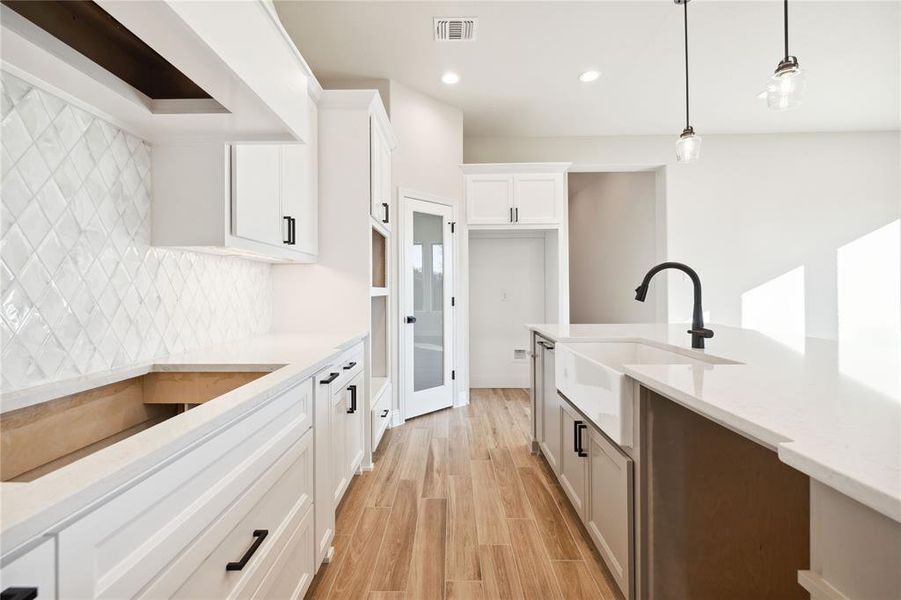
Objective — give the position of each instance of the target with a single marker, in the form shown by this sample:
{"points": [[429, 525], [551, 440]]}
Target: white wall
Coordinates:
{"points": [[611, 246], [506, 283], [752, 209]]}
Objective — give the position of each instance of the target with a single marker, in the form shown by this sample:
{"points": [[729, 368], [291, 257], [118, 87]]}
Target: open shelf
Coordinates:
{"points": [[379, 260]]}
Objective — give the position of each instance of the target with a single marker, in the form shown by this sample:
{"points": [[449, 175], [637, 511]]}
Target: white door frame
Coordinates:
{"points": [[405, 195]]}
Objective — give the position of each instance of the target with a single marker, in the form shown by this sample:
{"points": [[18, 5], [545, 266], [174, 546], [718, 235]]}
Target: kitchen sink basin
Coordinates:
{"points": [[590, 375]]}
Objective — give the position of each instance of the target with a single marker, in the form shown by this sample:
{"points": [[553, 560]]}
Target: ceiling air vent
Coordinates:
{"points": [[455, 29]]}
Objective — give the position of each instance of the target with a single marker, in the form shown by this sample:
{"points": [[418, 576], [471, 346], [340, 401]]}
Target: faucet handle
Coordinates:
{"points": [[702, 332]]}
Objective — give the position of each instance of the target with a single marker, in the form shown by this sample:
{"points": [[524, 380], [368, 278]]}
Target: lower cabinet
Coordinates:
{"points": [[547, 406], [608, 515], [573, 457], [32, 572], [596, 476], [356, 419]]}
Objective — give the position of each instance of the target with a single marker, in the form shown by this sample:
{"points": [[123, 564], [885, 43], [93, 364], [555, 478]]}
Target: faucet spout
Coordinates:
{"points": [[698, 332]]}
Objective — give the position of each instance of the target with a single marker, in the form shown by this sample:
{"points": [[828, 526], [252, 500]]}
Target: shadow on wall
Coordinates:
{"points": [[868, 292]]}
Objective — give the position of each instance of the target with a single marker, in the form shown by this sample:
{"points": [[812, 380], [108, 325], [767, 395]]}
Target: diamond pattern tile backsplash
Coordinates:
{"points": [[81, 289]]}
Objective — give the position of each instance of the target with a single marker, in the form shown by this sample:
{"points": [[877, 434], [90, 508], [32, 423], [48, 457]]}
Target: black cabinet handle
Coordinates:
{"points": [[580, 428], [19, 593], [350, 366], [385, 204], [517, 213], [511, 214], [411, 319], [353, 399], [259, 535], [385, 413], [292, 231], [576, 436], [330, 378], [287, 241]]}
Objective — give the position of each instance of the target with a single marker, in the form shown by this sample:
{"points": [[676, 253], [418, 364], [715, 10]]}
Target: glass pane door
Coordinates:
{"points": [[428, 301]]}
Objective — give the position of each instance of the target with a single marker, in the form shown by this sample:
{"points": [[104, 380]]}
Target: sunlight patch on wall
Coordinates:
{"points": [[869, 309], [776, 309]]}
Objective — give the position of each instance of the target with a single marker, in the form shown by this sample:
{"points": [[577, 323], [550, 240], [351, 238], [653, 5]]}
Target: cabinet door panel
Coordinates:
{"points": [[339, 447], [538, 198], [300, 188], [489, 199], [380, 176], [256, 203], [551, 434], [573, 468], [609, 511], [355, 422]]}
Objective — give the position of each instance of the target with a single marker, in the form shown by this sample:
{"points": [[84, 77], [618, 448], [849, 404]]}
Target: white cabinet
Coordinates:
{"points": [[256, 192], [547, 405], [380, 174], [356, 418], [538, 197], [489, 199], [34, 570], [339, 455], [324, 445], [512, 195], [608, 516], [258, 200], [573, 457]]}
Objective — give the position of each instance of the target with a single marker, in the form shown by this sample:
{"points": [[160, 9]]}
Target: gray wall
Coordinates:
{"points": [[611, 246]]}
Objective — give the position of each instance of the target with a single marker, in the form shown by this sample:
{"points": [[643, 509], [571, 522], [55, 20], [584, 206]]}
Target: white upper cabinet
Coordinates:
{"points": [[489, 199], [380, 175], [258, 200], [513, 195], [256, 192]]}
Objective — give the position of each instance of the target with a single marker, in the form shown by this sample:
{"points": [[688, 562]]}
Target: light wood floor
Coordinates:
{"points": [[457, 507]]}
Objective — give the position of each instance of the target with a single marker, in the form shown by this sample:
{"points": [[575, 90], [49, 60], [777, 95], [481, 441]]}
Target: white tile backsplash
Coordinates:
{"points": [[81, 289]]}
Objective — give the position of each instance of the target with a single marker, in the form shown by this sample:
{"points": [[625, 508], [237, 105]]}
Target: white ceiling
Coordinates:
{"points": [[521, 76]]}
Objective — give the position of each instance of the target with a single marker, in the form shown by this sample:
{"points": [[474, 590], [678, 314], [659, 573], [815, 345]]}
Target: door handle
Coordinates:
{"points": [[353, 399], [410, 319], [581, 428], [259, 535]]}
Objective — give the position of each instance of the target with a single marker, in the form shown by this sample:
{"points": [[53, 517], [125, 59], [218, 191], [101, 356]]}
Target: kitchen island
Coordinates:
{"points": [[810, 419]]}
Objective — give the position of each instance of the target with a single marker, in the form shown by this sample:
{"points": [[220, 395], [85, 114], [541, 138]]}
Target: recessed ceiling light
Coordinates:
{"points": [[589, 76], [450, 78]]}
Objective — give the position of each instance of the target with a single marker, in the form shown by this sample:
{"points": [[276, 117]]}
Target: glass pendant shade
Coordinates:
{"points": [[785, 88], [688, 147]]}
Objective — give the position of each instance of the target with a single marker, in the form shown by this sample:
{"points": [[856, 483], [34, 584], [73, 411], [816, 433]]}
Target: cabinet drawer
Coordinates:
{"points": [[34, 569], [285, 491], [380, 417], [120, 547], [292, 572], [347, 366]]}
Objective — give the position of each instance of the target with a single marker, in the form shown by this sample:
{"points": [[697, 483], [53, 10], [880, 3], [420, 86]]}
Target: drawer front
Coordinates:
{"points": [[348, 365], [292, 572], [116, 550], [285, 491], [380, 417], [34, 569]]}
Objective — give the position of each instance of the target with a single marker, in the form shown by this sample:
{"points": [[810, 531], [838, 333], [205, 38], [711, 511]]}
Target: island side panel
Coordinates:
{"points": [[725, 518]]}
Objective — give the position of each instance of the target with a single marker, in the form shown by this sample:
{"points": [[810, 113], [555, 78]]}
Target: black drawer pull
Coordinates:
{"points": [[385, 204], [350, 366], [260, 535], [580, 449], [385, 413], [19, 593], [330, 378], [353, 399]]}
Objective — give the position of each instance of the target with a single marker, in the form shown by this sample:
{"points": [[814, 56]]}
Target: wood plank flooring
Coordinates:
{"points": [[458, 508]]}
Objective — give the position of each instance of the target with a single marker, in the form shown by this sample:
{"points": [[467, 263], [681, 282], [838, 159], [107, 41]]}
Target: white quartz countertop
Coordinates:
{"points": [[29, 509], [827, 422]]}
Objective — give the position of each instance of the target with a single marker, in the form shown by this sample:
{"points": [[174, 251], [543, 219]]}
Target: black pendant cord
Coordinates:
{"points": [[685, 7], [785, 13]]}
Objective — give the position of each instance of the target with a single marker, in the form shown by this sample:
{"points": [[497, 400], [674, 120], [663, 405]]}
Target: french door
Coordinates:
{"points": [[427, 320]]}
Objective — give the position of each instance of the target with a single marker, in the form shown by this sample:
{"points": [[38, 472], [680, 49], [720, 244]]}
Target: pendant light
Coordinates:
{"points": [[786, 85], [688, 147]]}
